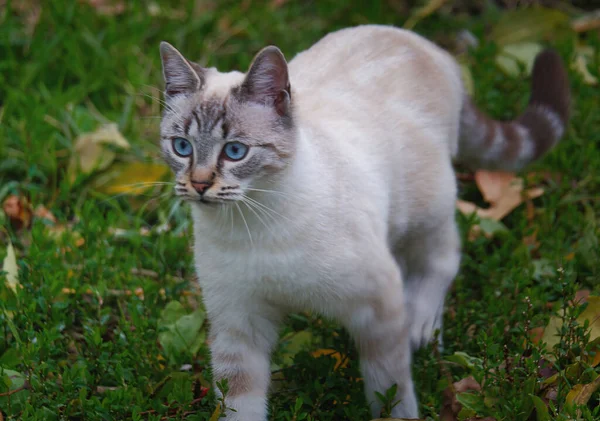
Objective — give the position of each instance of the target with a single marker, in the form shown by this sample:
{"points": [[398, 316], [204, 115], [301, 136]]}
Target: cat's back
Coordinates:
{"points": [[376, 73], [371, 57]]}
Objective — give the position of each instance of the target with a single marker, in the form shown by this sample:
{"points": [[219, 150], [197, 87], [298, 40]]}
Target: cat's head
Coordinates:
{"points": [[222, 133]]}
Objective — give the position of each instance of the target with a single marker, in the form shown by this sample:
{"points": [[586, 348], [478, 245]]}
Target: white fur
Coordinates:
{"points": [[360, 224]]}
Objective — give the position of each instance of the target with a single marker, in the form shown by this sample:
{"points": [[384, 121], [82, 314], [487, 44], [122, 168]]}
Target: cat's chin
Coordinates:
{"points": [[210, 203]]}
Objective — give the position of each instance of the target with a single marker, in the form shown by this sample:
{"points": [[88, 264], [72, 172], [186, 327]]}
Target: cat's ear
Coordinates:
{"points": [[181, 76], [267, 82]]}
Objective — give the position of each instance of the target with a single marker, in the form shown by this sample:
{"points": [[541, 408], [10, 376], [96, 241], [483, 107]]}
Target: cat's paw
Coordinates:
{"points": [[426, 324]]}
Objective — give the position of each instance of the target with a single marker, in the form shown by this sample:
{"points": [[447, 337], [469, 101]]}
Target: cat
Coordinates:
{"points": [[327, 184]]}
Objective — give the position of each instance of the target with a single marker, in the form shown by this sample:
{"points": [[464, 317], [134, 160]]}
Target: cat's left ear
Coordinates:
{"points": [[267, 82]]}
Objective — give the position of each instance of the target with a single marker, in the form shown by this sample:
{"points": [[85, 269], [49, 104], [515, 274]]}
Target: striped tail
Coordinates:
{"points": [[497, 145]]}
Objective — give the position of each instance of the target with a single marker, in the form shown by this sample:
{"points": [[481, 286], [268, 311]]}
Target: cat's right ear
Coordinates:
{"points": [[179, 74]]}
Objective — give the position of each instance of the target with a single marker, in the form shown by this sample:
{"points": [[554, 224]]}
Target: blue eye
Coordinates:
{"points": [[182, 147], [235, 150]]}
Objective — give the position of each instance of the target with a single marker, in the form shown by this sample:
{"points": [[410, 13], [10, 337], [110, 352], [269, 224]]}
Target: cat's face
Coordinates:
{"points": [[225, 133]]}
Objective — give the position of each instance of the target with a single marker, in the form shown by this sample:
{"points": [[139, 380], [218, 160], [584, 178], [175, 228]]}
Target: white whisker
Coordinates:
{"points": [[262, 205], [250, 206], [245, 223]]}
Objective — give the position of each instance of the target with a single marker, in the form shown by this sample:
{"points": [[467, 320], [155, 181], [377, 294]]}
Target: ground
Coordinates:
{"points": [[99, 315]]}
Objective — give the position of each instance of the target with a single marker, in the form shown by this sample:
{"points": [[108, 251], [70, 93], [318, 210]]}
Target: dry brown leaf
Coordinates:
{"points": [[502, 190], [581, 297], [587, 22], [536, 334], [43, 213], [18, 211], [450, 406], [493, 185]]}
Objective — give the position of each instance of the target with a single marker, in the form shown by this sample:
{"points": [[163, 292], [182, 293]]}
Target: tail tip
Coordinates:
{"points": [[550, 84]]}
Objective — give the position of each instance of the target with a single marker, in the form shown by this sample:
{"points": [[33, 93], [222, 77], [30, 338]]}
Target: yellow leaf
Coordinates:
{"points": [[532, 24], [217, 414], [592, 315], [581, 393], [91, 152], [467, 78], [130, 177], [341, 361], [511, 55], [10, 267], [551, 334], [422, 12], [580, 64], [593, 347]]}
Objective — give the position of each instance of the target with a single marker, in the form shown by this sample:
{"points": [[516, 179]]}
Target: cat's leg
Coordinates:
{"points": [[242, 335], [378, 323], [431, 262]]}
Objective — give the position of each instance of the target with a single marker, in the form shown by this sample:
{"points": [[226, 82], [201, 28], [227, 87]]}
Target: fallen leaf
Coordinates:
{"points": [[593, 353], [293, 344], [341, 361], [217, 414], [18, 211], [591, 315], [587, 22], [511, 56], [451, 406], [580, 394], [43, 213], [502, 190], [536, 334], [581, 297], [430, 7], [92, 150], [130, 177], [582, 57], [10, 267], [494, 184], [531, 24]]}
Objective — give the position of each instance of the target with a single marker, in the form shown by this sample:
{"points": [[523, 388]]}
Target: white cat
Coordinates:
{"points": [[326, 184]]}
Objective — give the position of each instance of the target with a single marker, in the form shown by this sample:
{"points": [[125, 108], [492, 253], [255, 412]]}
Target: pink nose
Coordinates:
{"points": [[201, 186]]}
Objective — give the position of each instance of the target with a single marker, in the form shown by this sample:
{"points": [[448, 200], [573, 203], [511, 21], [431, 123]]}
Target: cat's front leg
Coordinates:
{"points": [[242, 337]]}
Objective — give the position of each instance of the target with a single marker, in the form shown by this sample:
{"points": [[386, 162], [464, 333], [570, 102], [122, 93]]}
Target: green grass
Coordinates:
{"points": [[85, 339]]}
